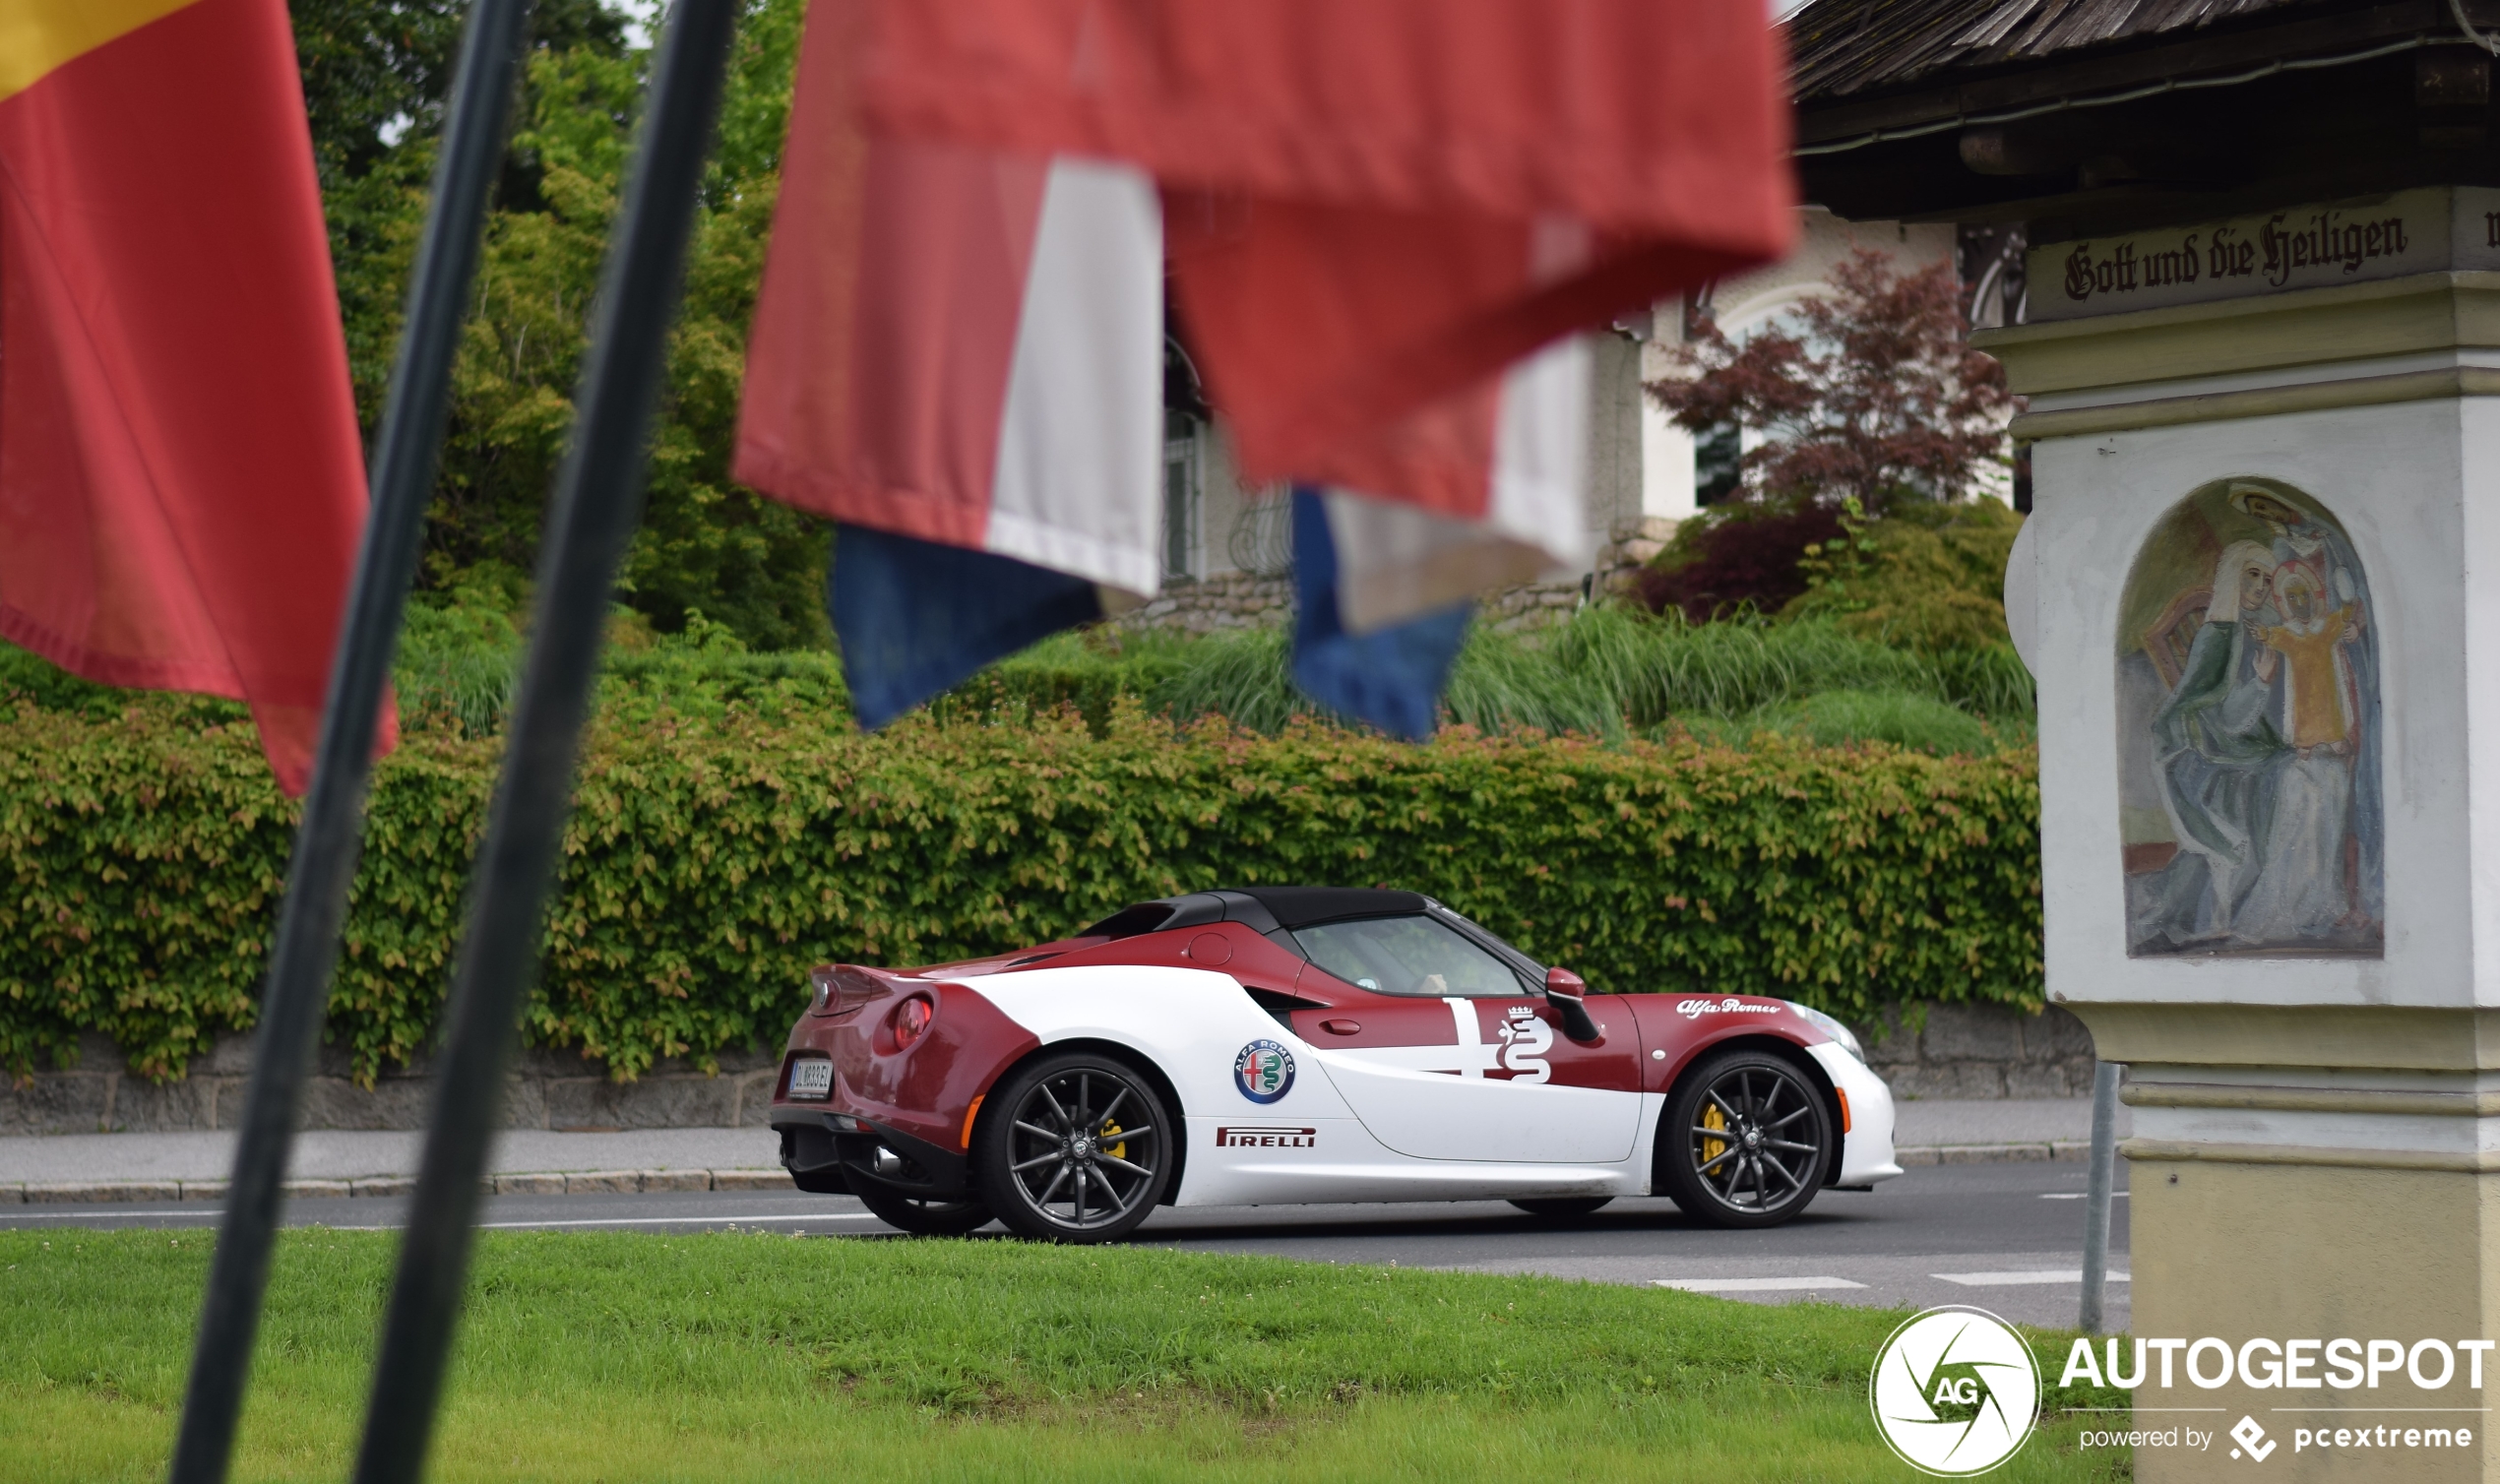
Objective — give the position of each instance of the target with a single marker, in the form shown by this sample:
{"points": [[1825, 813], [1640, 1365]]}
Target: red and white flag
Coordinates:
{"points": [[1375, 205], [957, 344], [956, 350], [1477, 492]]}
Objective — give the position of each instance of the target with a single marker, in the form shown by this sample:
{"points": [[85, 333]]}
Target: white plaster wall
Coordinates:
{"points": [[2412, 485], [1667, 483]]}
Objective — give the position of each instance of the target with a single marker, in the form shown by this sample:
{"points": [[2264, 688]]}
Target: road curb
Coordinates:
{"points": [[554, 1183], [2060, 1151]]}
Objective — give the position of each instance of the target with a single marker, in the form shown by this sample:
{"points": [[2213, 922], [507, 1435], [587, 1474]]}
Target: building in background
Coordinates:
{"points": [[1227, 549]]}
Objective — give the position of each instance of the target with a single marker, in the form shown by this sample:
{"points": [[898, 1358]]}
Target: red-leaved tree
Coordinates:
{"points": [[1877, 390]]}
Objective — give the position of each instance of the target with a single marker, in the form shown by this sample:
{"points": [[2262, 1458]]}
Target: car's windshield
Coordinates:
{"points": [[1406, 956]]}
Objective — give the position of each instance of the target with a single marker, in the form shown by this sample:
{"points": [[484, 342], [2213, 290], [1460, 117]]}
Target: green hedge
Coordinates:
{"points": [[710, 862]]}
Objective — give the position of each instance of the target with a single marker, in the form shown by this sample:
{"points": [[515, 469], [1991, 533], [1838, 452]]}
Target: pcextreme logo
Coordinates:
{"points": [[1953, 1392]]}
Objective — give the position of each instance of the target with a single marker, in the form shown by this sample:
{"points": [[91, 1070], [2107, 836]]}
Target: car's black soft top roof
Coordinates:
{"points": [[1262, 909], [1302, 906]]}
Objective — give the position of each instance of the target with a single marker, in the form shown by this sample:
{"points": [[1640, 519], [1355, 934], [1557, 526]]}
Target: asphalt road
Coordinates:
{"points": [[2003, 1237]]}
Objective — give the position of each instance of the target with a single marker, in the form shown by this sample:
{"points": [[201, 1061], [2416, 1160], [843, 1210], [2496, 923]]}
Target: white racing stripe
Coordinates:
{"points": [[2023, 1279], [1752, 1285]]}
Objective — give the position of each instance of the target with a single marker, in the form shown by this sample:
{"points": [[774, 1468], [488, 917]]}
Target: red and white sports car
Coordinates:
{"points": [[1281, 1045]]}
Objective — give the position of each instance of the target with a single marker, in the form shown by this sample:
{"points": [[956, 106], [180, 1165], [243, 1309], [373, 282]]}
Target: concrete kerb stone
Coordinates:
{"points": [[101, 1192], [1919, 1155], [556, 1183]]}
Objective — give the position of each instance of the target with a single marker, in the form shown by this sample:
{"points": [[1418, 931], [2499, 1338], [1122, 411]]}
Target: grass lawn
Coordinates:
{"points": [[730, 1357]]}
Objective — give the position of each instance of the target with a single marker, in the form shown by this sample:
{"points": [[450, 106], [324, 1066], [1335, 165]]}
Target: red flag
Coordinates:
{"points": [[181, 483], [1372, 204]]}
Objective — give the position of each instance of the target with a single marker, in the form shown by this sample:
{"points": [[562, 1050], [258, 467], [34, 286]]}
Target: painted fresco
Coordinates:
{"points": [[2249, 732]]}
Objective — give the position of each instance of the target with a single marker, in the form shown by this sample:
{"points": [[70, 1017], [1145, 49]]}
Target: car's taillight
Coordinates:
{"points": [[912, 1019]]}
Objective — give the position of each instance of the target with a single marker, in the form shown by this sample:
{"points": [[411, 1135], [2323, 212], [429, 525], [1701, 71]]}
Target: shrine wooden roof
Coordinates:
{"points": [[2082, 116], [1840, 47]]}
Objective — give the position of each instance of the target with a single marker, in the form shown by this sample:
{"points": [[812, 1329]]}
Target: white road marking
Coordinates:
{"points": [[1752, 1285], [2080, 1196], [2018, 1279]]}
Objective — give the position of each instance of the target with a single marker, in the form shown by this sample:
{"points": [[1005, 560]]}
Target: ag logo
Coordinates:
{"points": [[1954, 1392], [1263, 1072]]}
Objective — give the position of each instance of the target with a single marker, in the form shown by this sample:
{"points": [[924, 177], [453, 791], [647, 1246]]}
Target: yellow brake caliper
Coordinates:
{"points": [[1712, 1118], [1118, 1150]]}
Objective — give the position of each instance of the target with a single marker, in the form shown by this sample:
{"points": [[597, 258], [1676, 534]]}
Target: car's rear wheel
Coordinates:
{"points": [[1745, 1140], [1075, 1147], [1564, 1206], [919, 1214]]}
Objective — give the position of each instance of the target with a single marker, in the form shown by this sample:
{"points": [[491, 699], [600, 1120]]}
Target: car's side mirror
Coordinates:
{"points": [[1565, 991]]}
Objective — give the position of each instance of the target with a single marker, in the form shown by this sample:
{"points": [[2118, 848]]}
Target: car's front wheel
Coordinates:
{"points": [[1075, 1147], [1745, 1140]]}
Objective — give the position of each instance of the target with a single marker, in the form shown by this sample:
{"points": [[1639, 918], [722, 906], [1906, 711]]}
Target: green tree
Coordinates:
{"points": [[376, 74]]}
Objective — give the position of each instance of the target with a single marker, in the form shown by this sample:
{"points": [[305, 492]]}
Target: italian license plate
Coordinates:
{"points": [[812, 1079]]}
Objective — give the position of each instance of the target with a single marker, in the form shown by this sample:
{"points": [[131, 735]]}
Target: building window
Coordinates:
{"points": [[1183, 495], [1714, 456]]}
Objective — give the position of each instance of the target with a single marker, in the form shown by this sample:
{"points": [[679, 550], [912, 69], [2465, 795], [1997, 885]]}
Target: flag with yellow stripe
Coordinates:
{"points": [[181, 481]]}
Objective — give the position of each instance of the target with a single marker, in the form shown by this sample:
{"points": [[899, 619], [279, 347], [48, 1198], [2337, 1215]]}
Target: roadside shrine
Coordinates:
{"points": [[2262, 349]]}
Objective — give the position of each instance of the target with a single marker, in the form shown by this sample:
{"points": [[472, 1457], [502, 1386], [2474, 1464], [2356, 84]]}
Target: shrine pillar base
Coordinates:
{"points": [[2276, 1202]]}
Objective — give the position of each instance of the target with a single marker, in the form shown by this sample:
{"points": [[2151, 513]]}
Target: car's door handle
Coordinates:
{"points": [[1342, 1026]]}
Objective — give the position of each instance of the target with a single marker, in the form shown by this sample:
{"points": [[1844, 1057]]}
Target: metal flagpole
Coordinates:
{"points": [[599, 501], [2102, 1175], [332, 835]]}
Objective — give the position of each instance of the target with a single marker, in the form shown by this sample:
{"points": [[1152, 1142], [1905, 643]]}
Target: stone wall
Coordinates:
{"points": [[1226, 600], [1983, 1051], [552, 1089], [1229, 600], [1962, 1052]]}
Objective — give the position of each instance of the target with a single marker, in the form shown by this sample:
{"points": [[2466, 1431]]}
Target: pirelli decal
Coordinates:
{"points": [[1267, 1137]]}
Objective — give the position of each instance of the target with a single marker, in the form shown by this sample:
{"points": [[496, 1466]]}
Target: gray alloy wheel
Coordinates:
{"points": [[1075, 1147], [1745, 1140]]}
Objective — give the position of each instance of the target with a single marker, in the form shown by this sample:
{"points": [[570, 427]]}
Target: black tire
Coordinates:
{"points": [[1556, 1206], [1074, 1147], [919, 1215], [1773, 1165]]}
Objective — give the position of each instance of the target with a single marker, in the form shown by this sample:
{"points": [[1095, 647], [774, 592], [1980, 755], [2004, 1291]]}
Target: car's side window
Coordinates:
{"points": [[1406, 956]]}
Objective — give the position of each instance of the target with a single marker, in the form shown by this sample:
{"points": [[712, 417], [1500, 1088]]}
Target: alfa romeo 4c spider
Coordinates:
{"points": [[1285, 1046]]}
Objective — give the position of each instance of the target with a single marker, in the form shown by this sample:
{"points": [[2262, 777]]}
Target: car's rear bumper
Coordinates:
{"points": [[819, 1140]]}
